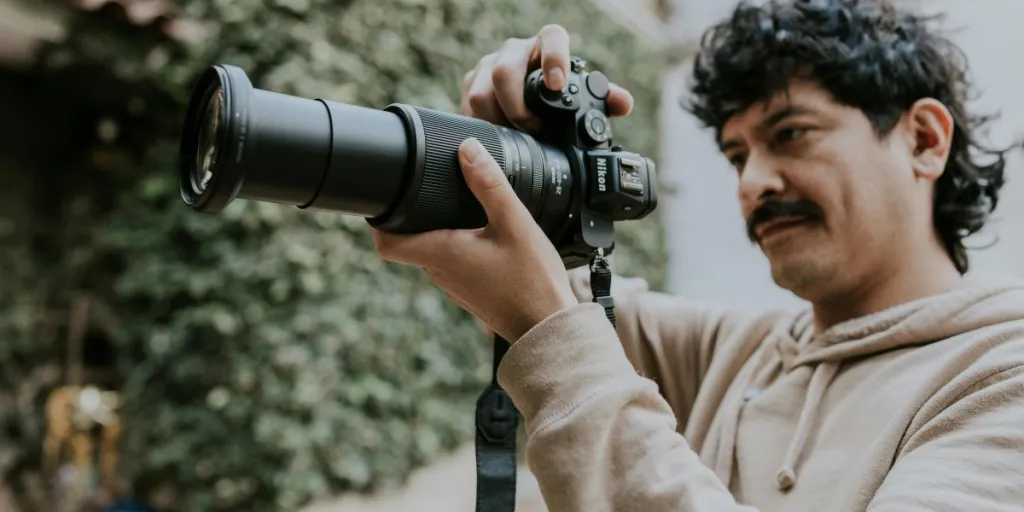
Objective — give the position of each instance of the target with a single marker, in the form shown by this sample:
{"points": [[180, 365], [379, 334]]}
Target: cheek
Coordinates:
{"points": [[877, 207], [855, 194]]}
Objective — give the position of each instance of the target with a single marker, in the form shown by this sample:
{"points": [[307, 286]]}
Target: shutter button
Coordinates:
{"points": [[597, 83]]}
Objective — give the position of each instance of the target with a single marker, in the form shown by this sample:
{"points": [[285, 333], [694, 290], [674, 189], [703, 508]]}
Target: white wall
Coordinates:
{"points": [[710, 257]]}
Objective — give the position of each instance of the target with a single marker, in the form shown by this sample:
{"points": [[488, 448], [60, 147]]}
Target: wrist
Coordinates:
{"points": [[542, 311]]}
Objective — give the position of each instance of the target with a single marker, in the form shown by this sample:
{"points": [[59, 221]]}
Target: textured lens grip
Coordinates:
{"points": [[442, 200], [435, 195]]}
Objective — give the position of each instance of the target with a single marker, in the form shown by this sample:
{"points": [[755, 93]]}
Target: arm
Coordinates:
{"points": [[970, 456], [670, 340], [600, 436]]}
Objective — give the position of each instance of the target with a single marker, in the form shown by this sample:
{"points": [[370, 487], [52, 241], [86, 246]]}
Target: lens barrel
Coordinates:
{"points": [[397, 167]]}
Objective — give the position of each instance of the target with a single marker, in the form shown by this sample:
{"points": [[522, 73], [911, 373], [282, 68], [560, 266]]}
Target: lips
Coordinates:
{"points": [[779, 225]]}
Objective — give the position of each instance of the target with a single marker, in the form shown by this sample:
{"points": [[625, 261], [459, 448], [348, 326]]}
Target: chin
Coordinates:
{"points": [[801, 261], [806, 275]]}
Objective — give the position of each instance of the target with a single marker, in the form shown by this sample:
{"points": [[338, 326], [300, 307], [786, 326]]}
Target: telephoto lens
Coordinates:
{"points": [[397, 167]]}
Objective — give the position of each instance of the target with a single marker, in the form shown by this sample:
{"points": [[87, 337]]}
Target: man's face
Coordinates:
{"points": [[827, 201]]}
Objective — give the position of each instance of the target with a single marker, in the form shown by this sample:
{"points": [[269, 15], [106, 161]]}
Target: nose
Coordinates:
{"points": [[761, 178]]}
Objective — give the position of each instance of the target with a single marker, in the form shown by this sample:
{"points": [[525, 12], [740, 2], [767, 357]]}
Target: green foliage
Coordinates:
{"points": [[265, 355]]}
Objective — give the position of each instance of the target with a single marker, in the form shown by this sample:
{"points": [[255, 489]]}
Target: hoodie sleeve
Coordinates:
{"points": [[668, 339], [599, 435], [970, 456]]}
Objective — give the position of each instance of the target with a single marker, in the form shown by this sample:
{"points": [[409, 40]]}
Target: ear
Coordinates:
{"points": [[931, 126]]}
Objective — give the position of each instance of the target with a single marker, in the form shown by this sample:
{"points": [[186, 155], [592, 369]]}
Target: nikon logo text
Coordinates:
{"points": [[602, 173]]}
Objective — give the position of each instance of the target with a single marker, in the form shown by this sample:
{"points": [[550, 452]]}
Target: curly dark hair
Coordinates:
{"points": [[868, 55]]}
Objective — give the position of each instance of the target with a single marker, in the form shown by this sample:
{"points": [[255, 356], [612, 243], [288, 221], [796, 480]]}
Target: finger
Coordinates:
{"points": [[480, 99], [508, 77], [417, 249], [467, 82], [620, 101], [552, 49], [488, 183]]}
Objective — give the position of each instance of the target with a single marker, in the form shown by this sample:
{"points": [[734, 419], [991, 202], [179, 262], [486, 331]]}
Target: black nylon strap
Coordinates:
{"points": [[496, 424], [497, 418], [601, 284]]}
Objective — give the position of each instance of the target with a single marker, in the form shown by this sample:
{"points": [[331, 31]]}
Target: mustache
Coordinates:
{"points": [[774, 209]]}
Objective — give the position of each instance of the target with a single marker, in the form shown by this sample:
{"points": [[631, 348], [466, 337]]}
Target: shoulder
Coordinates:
{"points": [[992, 353], [976, 373]]}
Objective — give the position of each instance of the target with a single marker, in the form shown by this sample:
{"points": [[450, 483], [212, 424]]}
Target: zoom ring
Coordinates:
{"points": [[444, 200]]}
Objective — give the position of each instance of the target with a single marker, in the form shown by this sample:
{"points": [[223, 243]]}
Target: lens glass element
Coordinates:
{"points": [[209, 135]]}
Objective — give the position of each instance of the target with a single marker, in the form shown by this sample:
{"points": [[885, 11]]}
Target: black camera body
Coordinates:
{"points": [[613, 185], [398, 166]]}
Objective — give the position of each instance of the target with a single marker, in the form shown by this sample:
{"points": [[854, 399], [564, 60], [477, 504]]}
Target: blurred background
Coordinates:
{"points": [[155, 358]]}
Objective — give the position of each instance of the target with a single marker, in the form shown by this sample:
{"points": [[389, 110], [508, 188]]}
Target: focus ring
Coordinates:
{"points": [[537, 157], [443, 199]]}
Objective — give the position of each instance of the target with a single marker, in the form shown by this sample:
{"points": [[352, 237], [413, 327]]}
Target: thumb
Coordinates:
{"points": [[490, 186]]}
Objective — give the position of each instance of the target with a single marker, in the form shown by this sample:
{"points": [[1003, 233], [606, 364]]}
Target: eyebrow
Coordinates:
{"points": [[772, 120]]}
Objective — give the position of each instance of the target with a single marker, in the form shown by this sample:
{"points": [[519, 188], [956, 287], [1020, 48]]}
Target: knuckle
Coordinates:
{"points": [[492, 181], [479, 99], [503, 72]]}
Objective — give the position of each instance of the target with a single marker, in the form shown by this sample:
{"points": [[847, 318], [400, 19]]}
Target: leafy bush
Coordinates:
{"points": [[266, 357]]}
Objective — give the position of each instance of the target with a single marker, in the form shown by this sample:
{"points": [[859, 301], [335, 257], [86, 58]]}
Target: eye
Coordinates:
{"points": [[738, 160], [787, 135]]}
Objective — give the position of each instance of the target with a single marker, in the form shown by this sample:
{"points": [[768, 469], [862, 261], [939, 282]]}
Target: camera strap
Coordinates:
{"points": [[601, 284], [496, 423], [497, 419]]}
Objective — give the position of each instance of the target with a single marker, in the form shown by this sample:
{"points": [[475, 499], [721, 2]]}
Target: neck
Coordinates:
{"points": [[909, 280]]}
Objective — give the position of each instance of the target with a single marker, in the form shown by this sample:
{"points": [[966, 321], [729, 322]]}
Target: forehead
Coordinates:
{"points": [[800, 98]]}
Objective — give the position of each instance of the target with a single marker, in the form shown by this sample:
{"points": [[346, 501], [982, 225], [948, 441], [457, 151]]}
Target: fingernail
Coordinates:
{"points": [[557, 79], [472, 149]]}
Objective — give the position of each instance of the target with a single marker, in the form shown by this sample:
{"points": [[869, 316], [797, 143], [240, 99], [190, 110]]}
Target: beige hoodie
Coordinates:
{"points": [[919, 407]]}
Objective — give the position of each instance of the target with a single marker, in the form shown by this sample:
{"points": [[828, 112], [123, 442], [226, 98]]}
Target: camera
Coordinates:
{"points": [[398, 167]]}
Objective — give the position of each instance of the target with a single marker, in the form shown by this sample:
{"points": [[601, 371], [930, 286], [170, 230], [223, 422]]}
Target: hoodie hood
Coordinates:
{"points": [[977, 302]]}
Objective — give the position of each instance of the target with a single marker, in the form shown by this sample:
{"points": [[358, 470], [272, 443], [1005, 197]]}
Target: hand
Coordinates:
{"points": [[623, 288], [493, 91], [507, 274]]}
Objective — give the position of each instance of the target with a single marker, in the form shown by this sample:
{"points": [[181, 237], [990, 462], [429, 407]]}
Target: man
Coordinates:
{"points": [[901, 388]]}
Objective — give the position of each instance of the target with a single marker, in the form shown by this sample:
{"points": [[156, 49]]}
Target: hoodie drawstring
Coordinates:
{"points": [[820, 379], [726, 437], [780, 353]]}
